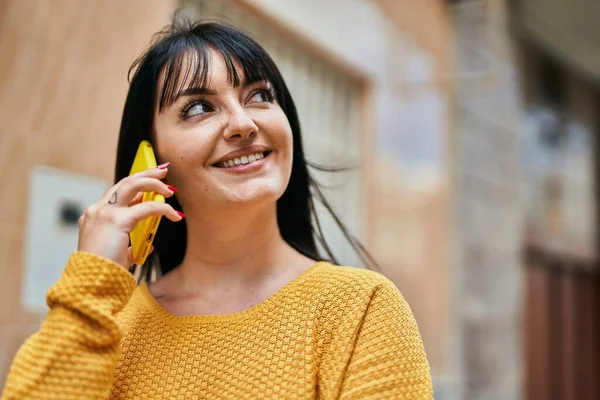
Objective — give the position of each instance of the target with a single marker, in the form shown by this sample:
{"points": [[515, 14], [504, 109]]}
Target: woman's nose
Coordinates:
{"points": [[240, 126]]}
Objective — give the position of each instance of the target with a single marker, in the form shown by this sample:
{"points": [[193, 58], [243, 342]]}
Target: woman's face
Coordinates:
{"points": [[226, 145]]}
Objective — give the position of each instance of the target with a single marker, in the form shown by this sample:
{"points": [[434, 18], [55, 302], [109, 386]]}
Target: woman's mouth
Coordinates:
{"points": [[243, 160]]}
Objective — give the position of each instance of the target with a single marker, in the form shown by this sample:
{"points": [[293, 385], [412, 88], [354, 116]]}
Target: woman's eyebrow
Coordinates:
{"points": [[246, 83], [195, 91]]}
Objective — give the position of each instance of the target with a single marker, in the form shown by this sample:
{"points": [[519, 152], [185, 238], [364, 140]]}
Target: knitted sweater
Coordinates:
{"points": [[332, 332]]}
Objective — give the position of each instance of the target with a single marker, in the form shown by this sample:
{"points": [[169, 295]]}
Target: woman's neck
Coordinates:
{"points": [[234, 250]]}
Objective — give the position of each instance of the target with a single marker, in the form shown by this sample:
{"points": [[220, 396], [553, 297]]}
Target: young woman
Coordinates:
{"points": [[244, 306]]}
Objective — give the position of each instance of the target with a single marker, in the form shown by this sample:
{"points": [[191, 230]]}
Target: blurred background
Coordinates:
{"points": [[474, 124]]}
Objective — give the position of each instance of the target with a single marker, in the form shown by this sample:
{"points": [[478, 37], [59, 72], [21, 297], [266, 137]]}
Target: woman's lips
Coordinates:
{"points": [[244, 164]]}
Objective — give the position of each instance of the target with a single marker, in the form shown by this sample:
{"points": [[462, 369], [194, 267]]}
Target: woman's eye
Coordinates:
{"points": [[197, 109], [261, 96]]}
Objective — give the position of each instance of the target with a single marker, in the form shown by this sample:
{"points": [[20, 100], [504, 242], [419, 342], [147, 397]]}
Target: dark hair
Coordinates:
{"points": [[181, 52]]}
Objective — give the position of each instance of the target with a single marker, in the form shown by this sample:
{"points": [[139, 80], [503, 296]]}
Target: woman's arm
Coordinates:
{"points": [[388, 360], [74, 354]]}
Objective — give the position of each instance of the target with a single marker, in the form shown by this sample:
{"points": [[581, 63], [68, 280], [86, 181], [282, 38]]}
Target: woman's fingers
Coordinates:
{"points": [[129, 257], [137, 199], [125, 190], [105, 226], [128, 190], [138, 212]]}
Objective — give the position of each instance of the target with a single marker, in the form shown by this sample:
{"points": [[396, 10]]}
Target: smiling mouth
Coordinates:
{"points": [[243, 160]]}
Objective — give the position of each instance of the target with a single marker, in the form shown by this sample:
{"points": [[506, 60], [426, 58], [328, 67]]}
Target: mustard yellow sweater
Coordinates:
{"points": [[333, 332]]}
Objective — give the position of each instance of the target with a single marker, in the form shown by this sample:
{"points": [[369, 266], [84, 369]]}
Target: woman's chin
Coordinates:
{"points": [[253, 195]]}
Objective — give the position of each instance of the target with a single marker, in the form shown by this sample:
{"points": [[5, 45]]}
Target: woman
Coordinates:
{"points": [[244, 306]]}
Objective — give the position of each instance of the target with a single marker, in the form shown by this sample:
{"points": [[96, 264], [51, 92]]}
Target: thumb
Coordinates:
{"points": [[129, 257]]}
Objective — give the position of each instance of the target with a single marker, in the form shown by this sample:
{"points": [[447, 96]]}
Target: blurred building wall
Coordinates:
{"points": [[412, 200], [568, 30], [487, 210], [63, 67], [525, 184], [560, 70]]}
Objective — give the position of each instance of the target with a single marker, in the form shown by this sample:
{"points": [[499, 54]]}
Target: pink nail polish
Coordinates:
{"points": [[163, 166], [182, 215], [172, 189]]}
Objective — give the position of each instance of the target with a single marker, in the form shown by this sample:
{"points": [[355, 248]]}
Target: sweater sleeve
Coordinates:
{"points": [[74, 353], [388, 360]]}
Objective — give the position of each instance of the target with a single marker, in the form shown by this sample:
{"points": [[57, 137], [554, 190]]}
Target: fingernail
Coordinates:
{"points": [[151, 249], [163, 166], [172, 189], [182, 215]]}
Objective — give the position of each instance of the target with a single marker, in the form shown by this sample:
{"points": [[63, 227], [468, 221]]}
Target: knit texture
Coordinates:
{"points": [[332, 332]]}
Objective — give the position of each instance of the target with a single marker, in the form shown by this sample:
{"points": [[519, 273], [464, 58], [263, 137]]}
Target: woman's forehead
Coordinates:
{"points": [[196, 68]]}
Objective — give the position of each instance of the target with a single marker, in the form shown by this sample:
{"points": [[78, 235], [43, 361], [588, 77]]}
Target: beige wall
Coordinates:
{"points": [[63, 66], [428, 23]]}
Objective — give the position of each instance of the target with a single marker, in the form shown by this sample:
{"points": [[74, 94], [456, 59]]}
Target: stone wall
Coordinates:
{"points": [[487, 270]]}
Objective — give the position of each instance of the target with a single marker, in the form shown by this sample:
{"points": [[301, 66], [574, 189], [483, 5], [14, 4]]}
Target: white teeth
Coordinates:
{"points": [[242, 160]]}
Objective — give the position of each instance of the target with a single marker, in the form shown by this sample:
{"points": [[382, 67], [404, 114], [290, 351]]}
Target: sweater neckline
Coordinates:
{"points": [[158, 309]]}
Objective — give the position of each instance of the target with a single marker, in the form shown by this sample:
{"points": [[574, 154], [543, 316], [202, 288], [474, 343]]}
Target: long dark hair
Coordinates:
{"points": [[181, 53]]}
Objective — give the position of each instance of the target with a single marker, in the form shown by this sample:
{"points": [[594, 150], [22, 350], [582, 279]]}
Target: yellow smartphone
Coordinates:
{"points": [[143, 234]]}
